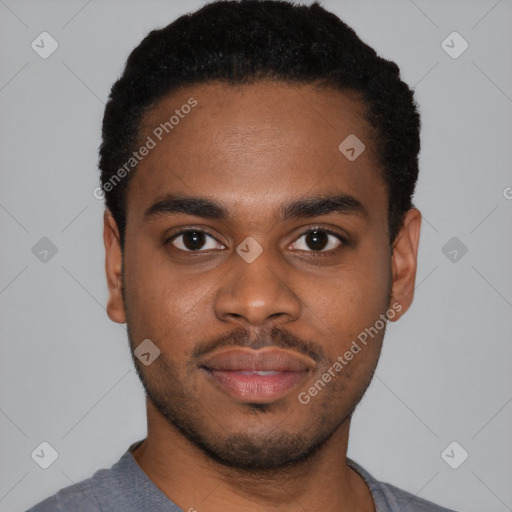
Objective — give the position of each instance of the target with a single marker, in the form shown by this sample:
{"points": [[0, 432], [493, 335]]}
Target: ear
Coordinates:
{"points": [[404, 262], [113, 269]]}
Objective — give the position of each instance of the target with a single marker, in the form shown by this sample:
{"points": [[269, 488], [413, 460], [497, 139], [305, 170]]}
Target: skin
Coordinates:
{"points": [[253, 148]]}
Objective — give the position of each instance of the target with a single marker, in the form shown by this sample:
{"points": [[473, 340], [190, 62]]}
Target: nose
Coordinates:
{"points": [[257, 293]]}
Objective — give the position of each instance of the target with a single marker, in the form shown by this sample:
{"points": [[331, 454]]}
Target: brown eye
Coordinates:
{"points": [[319, 240], [194, 240]]}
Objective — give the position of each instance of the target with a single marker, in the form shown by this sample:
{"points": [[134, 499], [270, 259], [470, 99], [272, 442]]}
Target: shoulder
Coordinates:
{"points": [[103, 488], [407, 502], [389, 498], [79, 497]]}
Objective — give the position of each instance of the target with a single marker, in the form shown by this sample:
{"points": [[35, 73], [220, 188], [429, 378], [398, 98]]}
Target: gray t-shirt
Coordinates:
{"points": [[126, 488]]}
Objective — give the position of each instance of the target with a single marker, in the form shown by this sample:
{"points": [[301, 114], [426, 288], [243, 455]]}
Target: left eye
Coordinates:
{"points": [[317, 240]]}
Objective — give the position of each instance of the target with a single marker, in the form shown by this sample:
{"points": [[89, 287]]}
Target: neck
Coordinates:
{"points": [[194, 482]]}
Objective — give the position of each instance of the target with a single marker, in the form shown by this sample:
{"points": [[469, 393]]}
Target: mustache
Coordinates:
{"points": [[260, 338]]}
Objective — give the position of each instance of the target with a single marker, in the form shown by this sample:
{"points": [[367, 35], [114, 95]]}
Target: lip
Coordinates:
{"points": [[258, 376]]}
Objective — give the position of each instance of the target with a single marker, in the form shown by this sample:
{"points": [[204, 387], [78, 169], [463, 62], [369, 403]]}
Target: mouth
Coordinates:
{"points": [[258, 376]]}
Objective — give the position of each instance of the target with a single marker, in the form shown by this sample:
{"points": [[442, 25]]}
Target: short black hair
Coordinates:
{"points": [[240, 42]]}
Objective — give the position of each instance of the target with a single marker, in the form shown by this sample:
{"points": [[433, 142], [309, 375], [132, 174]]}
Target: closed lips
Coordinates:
{"points": [[258, 376], [262, 361]]}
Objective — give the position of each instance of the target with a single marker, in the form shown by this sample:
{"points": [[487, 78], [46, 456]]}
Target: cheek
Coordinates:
{"points": [[370, 283], [351, 299], [163, 302]]}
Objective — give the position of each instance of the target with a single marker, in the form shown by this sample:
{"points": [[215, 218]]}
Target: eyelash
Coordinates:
{"points": [[340, 237]]}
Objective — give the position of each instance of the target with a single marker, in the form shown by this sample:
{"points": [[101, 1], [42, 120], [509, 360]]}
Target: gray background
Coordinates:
{"points": [[65, 370]]}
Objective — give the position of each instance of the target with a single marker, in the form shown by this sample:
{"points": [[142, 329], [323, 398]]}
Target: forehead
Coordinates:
{"points": [[268, 140]]}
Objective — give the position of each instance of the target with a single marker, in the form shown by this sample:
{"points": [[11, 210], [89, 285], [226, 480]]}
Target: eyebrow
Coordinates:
{"points": [[172, 204]]}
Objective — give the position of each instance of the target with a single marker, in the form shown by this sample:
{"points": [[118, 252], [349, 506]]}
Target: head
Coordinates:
{"points": [[259, 162]]}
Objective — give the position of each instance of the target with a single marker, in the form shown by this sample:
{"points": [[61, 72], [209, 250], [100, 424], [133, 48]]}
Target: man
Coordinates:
{"points": [[258, 163]]}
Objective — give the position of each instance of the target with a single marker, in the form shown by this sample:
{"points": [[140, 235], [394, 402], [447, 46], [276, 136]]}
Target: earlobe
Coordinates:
{"points": [[113, 269], [405, 261]]}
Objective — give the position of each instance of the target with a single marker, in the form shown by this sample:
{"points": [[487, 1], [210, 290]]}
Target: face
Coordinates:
{"points": [[257, 260]]}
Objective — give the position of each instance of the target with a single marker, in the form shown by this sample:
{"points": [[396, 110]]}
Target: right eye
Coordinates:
{"points": [[193, 240]]}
